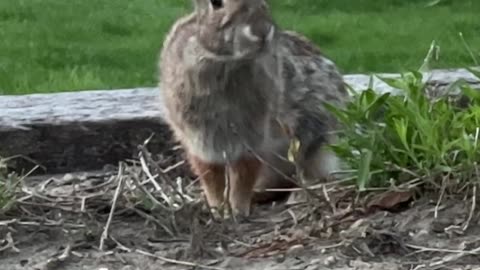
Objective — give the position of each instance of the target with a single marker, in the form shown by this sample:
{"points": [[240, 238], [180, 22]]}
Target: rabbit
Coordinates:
{"points": [[235, 87]]}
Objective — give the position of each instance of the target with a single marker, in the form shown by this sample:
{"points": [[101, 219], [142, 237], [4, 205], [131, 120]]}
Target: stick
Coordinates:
{"points": [[172, 261], [112, 210]]}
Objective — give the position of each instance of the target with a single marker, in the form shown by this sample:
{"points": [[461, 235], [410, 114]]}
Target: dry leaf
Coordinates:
{"points": [[293, 149], [391, 199]]}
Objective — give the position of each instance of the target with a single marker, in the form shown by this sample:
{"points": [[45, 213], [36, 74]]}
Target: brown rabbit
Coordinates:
{"points": [[232, 82]]}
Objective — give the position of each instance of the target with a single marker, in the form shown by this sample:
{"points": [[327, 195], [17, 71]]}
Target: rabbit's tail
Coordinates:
{"points": [[314, 159]]}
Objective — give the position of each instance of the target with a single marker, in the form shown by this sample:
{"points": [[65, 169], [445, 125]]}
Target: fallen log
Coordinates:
{"points": [[82, 131]]}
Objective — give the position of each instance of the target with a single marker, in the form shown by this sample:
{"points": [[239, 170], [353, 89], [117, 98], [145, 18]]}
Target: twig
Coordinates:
{"points": [[37, 165], [194, 182], [337, 245], [56, 261], [228, 187], [22, 178], [112, 210], [7, 222], [181, 190], [154, 220], [150, 177], [83, 199], [38, 195], [294, 217], [62, 257], [10, 244], [177, 262], [120, 245], [442, 193], [313, 187], [229, 238], [82, 205], [101, 185], [146, 156], [430, 249], [327, 198], [144, 190], [412, 184], [405, 170], [46, 224], [44, 185], [449, 258], [472, 209], [173, 167]]}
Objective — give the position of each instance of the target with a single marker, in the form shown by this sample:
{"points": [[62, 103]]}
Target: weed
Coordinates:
{"points": [[7, 187], [393, 139]]}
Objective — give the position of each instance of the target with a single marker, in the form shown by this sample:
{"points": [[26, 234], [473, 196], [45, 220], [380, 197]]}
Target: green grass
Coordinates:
{"points": [[52, 45], [391, 140]]}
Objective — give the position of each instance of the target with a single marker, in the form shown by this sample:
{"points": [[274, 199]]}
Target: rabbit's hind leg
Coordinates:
{"points": [[275, 175]]}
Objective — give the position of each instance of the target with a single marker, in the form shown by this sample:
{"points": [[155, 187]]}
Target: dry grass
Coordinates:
{"points": [[158, 193]]}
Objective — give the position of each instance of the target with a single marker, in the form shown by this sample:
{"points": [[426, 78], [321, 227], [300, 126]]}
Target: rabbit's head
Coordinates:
{"points": [[234, 29]]}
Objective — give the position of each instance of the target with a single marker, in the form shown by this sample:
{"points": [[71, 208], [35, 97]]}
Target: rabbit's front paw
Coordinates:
{"points": [[243, 174]]}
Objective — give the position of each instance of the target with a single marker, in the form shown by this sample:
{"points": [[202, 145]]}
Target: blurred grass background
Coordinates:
{"points": [[54, 45]]}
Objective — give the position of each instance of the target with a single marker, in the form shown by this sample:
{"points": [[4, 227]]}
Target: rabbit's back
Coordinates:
{"points": [[310, 80]]}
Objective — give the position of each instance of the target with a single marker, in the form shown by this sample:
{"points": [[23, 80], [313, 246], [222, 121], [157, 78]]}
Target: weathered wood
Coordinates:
{"points": [[86, 130], [79, 131], [440, 78]]}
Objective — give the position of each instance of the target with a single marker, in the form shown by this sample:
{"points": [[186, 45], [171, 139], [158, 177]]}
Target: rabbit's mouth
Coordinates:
{"points": [[240, 43], [247, 33]]}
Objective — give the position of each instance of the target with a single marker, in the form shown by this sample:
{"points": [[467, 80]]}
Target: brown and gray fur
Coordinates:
{"points": [[228, 77]]}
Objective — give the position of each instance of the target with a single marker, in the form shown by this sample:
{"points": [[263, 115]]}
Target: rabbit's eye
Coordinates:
{"points": [[216, 4]]}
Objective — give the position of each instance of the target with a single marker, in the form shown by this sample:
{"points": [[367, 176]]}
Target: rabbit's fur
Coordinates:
{"points": [[232, 83]]}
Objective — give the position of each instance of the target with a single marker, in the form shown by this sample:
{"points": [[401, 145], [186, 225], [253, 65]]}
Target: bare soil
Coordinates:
{"points": [[67, 222]]}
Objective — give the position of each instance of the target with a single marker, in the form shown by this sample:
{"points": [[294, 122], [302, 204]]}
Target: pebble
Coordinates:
{"points": [[68, 178], [295, 249], [330, 260], [280, 258]]}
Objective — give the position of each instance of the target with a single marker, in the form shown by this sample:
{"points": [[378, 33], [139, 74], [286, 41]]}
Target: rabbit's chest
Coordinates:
{"points": [[239, 97], [219, 110], [223, 111], [226, 122]]}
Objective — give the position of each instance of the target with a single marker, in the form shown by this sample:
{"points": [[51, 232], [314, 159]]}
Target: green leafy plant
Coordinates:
{"points": [[392, 139], [8, 184]]}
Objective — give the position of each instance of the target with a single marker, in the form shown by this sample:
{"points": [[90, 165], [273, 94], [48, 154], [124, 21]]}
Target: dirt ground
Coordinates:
{"points": [[120, 218]]}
